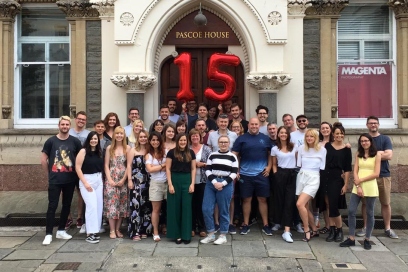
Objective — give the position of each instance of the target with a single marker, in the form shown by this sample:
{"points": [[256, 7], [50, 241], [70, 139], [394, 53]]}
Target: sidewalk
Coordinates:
{"points": [[21, 250]]}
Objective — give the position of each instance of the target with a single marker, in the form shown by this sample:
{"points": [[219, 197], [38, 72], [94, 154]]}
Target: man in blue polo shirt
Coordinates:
{"points": [[253, 150]]}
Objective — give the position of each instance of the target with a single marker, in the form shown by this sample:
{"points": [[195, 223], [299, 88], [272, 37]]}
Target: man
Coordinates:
{"points": [[80, 133], [133, 115], [189, 114], [172, 103], [262, 113], [99, 127], [58, 162], [236, 113], [201, 126], [382, 143], [288, 122], [253, 150], [164, 116], [272, 133], [297, 136], [203, 114], [222, 122]]}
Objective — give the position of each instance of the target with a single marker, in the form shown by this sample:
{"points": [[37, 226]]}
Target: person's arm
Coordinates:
{"points": [[168, 174], [129, 159], [107, 170], [79, 160]]}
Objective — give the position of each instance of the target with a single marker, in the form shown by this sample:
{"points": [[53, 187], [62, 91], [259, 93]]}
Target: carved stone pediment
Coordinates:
{"points": [[298, 7], [77, 8], [400, 7], [269, 81], [326, 7], [134, 82], [9, 9]]}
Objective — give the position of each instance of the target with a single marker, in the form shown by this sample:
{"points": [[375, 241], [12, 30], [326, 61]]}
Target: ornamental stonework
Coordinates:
{"points": [[9, 9], [326, 7], [77, 8], [274, 18]]}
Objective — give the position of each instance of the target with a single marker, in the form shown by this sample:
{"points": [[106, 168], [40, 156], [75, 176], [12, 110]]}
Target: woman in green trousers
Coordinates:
{"points": [[181, 171]]}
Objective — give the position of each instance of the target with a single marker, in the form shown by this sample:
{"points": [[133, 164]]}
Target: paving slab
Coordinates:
{"points": [[331, 252], [25, 254], [310, 265], [266, 264], [135, 249], [17, 233], [211, 250], [249, 249], [89, 257], [46, 268], [136, 264], [377, 246], [82, 246], [17, 266], [5, 251], [11, 242], [381, 261], [277, 247], [35, 242], [179, 252], [220, 263], [398, 246]]}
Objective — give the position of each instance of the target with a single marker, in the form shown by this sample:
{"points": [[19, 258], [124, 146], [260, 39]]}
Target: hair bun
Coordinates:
{"points": [[337, 124]]}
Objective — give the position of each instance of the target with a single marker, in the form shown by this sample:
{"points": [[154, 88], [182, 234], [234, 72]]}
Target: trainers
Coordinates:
{"points": [[62, 234], [79, 223], [47, 240], [222, 239], [287, 236], [361, 233], [299, 228], [245, 229], [390, 233], [83, 229], [276, 227], [348, 243], [208, 239], [92, 239], [232, 229], [69, 224], [216, 228], [267, 230], [367, 244]]}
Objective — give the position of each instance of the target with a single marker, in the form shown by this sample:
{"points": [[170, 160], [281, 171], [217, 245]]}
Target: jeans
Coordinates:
{"points": [[54, 192], [223, 200], [354, 201]]}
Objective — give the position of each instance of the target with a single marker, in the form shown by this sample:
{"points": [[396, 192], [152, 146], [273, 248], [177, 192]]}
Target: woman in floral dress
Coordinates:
{"points": [[115, 191], [140, 208]]}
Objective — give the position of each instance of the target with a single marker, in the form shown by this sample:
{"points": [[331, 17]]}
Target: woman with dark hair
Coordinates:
{"points": [[283, 167], [158, 126], [181, 127], [334, 181], [180, 171], [89, 168], [366, 169]]}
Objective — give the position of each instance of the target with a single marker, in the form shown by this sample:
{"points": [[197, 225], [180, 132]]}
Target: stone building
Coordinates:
{"points": [[330, 59]]}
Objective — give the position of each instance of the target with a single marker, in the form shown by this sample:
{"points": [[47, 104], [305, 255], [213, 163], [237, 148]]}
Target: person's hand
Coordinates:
{"points": [[171, 189], [343, 190], [218, 186], [191, 188], [360, 192]]}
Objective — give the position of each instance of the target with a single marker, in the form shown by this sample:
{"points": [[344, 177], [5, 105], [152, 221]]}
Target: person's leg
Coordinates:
{"points": [[53, 198], [67, 194]]}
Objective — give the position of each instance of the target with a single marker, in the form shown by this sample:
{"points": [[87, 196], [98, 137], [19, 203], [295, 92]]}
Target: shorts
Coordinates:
{"points": [[307, 182], [384, 190], [254, 184], [157, 190]]}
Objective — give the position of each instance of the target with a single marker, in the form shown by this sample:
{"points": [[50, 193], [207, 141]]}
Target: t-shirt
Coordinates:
{"points": [[157, 176], [254, 152], [79, 135], [285, 160], [213, 139], [311, 159], [180, 166], [382, 143], [297, 137], [61, 159]]}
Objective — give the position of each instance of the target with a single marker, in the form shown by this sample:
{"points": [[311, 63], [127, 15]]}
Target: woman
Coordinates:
{"points": [[158, 126], [283, 167], [334, 180], [115, 192], [311, 158], [180, 171], [139, 205], [89, 168], [366, 169], [201, 153], [138, 126], [221, 170], [181, 127], [111, 122], [155, 165], [237, 127]]}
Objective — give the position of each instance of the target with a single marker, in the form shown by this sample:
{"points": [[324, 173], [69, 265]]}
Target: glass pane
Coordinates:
{"points": [[376, 50], [59, 90], [33, 91], [32, 52], [59, 52], [349, 50], [43, 22]]}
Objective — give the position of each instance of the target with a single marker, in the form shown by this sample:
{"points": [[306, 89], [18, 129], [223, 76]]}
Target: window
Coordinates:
{"points": [[365, 64], [42, 76]]}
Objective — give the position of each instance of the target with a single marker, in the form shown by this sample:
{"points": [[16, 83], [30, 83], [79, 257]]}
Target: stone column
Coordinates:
{"points": [[136, 86], [401, 15], [78, 12], [328, 11], [8, 11], [268, 85]]}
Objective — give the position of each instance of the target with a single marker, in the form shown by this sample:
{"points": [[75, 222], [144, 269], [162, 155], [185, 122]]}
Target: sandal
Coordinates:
{"points": [[156, 238], [136, 238], [112, 234], [119, 234], [305, 239], [323, 230], [143, 236]]}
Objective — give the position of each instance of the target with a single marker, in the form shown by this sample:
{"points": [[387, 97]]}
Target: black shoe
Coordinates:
{"points": [[348, 243], [367, 244], [339, 237], [332, 234], [178, 241], [186, 242]]}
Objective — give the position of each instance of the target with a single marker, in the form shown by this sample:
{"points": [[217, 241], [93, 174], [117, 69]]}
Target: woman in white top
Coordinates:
{"points": [[311, 158], [156, 166], [283, 167]]}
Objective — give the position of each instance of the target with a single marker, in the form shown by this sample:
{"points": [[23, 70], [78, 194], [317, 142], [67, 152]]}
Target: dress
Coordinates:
{"points": [[139, 204], [115, 204]]}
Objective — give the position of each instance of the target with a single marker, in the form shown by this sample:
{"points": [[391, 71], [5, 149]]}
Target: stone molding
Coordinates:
{"points": [[106, 8], [400, 7], [269, 82], [298, 7], [404, 111], [134, 82], [77, 8], [326, 7], [6, 111], [9, 9]]}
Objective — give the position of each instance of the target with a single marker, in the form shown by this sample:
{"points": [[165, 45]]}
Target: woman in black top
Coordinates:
{"points": [[89, 166]]}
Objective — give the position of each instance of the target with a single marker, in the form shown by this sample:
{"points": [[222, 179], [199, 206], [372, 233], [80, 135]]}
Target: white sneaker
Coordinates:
{"points": [[83, 229], [299, 229], [208, 239], [47, 240], [276, 227], [287, 236], [222, 239], [62, 234]]}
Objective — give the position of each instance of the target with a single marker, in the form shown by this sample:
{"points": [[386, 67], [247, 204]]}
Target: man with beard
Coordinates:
{"points": [[236, 113]]}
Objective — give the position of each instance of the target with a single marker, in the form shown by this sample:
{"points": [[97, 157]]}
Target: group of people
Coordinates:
{"points": [[197, 173]]}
